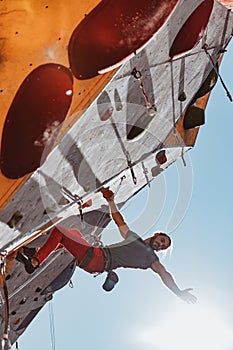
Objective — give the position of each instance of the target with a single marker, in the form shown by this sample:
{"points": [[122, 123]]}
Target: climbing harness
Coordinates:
{"points": [[86, 259], [111, 278]]}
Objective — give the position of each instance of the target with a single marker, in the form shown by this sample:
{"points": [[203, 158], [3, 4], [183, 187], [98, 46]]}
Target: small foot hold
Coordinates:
{"points": [[16, 217], [87, 204]]}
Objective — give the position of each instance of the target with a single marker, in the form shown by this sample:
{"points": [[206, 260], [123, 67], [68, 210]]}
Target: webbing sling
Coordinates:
{"points": [[87, 258]]}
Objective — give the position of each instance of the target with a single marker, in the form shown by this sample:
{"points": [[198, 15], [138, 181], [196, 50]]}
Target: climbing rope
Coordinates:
{"points": [[5, 342], [52, 327], [180, 143]]}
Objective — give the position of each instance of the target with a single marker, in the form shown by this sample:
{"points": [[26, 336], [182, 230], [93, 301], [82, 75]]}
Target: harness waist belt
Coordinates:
{"points": [[107, 258]]}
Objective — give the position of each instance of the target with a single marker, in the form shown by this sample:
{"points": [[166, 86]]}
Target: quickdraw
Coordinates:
{"points": [[205, 48], [74, 197], [126, 153], [145, 172], [151, 109]]}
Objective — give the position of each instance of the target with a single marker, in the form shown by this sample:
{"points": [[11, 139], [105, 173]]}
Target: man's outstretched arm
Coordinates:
{"points": [[115, 214], [168, 280]]}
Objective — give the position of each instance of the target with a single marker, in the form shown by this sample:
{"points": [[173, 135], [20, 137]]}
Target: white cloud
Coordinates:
{"points": [[188, 327]]}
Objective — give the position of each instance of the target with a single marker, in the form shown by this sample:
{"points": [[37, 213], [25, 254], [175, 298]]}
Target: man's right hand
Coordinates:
{"points": [[115, 214], [107, 194]]}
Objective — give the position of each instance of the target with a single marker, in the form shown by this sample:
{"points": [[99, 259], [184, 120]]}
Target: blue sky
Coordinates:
{"points": [[194, 205]]}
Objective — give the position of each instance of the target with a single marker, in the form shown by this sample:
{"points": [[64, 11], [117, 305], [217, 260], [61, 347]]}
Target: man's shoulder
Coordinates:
{"points": [[131, 234]]}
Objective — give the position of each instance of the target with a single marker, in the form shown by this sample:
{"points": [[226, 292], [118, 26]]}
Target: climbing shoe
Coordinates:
{"points": [[29, 252], [26, 261]]}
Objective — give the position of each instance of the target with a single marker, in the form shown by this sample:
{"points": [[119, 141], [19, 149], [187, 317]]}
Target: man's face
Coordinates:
{"points": [[159, 242]]}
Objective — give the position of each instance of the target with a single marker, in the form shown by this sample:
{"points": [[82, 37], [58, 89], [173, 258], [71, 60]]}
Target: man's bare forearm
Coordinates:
{"points": [[118, 218], [115, 214], [169, 282]]}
